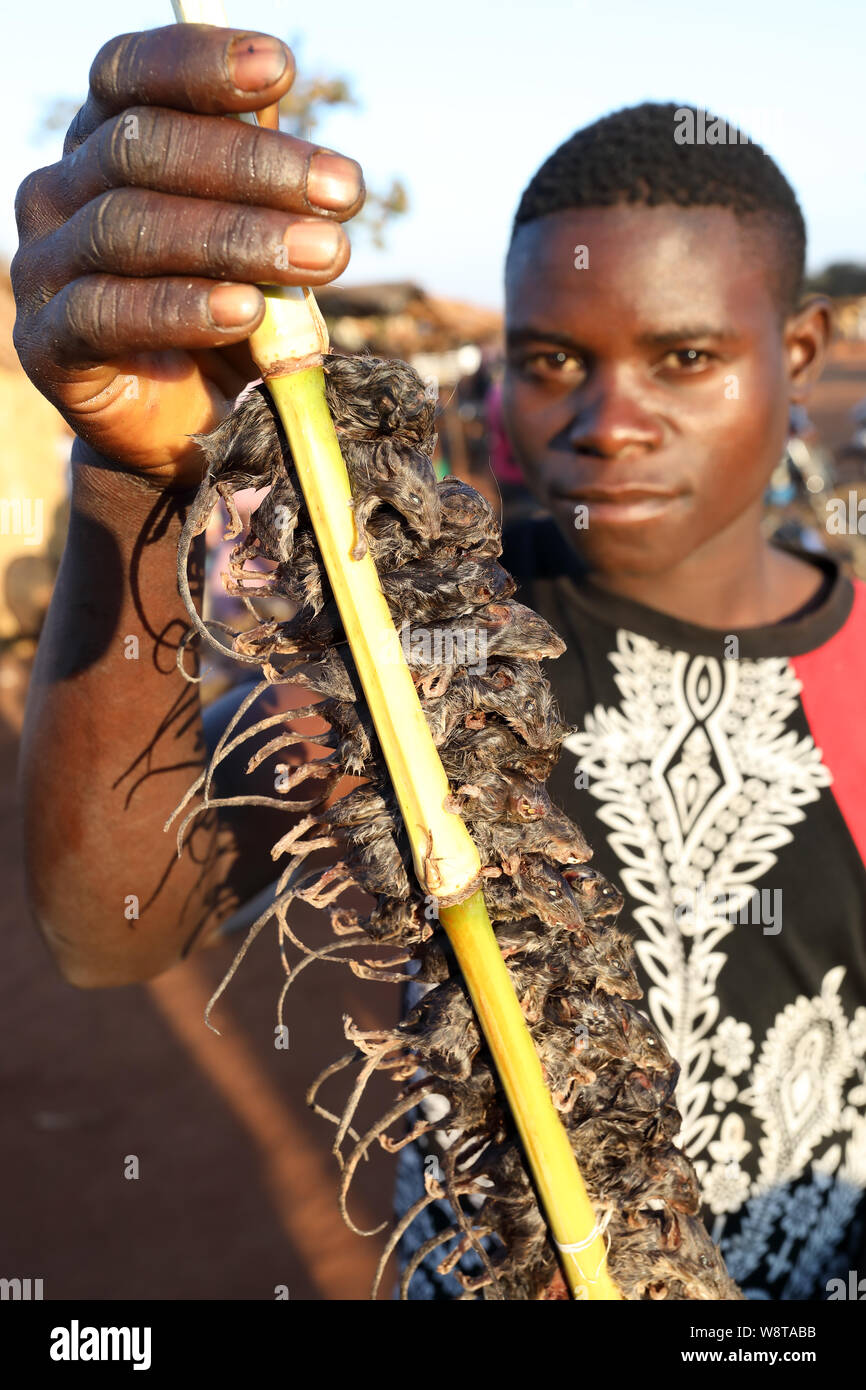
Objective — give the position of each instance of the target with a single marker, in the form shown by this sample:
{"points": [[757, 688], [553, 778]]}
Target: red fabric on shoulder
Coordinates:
{"points": [[833, 677]]}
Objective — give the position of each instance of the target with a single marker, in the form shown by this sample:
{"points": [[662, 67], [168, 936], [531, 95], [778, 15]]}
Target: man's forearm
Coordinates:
{"points": [[112, 740]]}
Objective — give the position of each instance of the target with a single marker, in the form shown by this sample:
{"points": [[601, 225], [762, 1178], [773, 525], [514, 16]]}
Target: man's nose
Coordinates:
{"points": [[612, 419]]}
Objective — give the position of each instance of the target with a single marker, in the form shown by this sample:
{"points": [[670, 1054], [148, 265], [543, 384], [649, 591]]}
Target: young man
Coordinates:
{"points": [[656, 341], [655, 344]]}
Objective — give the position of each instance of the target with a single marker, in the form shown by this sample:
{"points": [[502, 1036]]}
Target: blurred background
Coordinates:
{"points": [[449, 109]]}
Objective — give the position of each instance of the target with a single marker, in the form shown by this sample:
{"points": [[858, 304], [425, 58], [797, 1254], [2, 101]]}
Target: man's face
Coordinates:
{"points": [[646, 394]]}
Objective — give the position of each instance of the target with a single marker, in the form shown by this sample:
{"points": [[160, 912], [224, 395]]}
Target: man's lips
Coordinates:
{"points": [[618, 492], [624, 503]]}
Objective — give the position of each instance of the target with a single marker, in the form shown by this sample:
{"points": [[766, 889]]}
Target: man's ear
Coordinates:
{"points": [[807, 335]]}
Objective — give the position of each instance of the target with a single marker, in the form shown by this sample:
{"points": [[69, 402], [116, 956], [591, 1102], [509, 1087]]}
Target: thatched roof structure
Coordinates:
{"points": [[400, 319]]}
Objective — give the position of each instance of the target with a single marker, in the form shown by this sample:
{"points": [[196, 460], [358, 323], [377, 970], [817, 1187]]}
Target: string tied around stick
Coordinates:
{"points": [[574, 1247]]}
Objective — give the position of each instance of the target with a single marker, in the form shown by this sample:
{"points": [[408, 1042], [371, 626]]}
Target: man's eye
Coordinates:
{"points": [[552, 365], [686, 357]]}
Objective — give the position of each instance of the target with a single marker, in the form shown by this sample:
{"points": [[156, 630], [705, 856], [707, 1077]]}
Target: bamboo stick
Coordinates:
{"points": [[288, 349]]}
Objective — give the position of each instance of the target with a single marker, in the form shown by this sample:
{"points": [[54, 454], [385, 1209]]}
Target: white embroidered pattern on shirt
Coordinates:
{"points": [[700, 783]]}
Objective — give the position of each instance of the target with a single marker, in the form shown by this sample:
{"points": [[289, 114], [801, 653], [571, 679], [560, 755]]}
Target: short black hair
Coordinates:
{"points": [[632, 156]]}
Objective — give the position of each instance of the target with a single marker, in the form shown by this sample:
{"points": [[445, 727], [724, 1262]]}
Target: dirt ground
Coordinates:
{"points": [[236, 1192]]}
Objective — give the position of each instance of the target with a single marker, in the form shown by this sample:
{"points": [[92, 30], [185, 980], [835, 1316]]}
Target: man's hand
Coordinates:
{"points": [[136, 290], [141, 249]]}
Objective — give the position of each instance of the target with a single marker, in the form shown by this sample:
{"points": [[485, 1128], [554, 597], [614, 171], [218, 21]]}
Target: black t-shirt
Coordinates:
{"points": [[720, 778]]}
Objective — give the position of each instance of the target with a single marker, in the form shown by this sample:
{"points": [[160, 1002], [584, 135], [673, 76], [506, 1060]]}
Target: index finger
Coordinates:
{"points": [[191, 67]]}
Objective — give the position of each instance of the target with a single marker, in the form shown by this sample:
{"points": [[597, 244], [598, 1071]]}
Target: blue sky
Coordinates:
{"points": [[464, 100]]}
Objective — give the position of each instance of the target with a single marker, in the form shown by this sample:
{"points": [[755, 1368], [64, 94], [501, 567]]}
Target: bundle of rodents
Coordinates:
{"points": [[475, 656]]}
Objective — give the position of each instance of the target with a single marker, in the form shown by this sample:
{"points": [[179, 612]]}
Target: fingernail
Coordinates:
{"points": [[312, 245], [256, 62], [333, 182], [230, 306]]}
